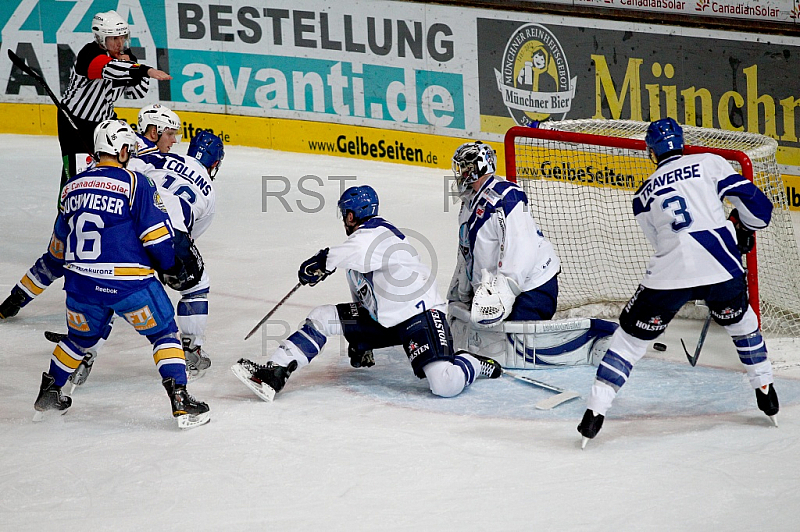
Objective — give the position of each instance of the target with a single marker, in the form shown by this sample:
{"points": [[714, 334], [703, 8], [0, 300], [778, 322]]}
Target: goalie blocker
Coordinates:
{"points": [[532, 344]]}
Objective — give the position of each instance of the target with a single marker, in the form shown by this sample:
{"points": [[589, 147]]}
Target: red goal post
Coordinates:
{"points": [[556, 150]]}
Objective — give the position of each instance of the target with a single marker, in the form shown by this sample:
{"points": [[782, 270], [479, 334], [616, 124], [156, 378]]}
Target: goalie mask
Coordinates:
{"points": [[472, 161]]}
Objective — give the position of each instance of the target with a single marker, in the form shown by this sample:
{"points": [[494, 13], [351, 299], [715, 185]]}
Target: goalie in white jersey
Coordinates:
{"points": [[507, 276], [396, 302], [697, 256]]}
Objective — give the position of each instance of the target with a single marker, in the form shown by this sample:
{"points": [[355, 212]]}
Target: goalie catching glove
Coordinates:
{"points": [[313, 270], [745, 238], [494, 298]]}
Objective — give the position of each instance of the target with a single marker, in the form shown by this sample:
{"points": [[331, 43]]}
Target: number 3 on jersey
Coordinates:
{"points": [[676, 206]]}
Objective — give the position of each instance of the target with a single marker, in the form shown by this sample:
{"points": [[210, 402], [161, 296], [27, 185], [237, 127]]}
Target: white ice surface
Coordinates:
{"points": [[369, 449]]}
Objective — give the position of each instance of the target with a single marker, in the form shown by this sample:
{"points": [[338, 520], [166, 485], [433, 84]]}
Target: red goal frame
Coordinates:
{"points": [[509, 143]]}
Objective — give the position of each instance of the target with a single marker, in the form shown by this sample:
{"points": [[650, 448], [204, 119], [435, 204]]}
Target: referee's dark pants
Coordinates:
{"points": [[73, 142]]}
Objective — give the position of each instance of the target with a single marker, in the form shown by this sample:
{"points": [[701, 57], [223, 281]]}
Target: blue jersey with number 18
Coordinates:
{"points": [[680, 210]]}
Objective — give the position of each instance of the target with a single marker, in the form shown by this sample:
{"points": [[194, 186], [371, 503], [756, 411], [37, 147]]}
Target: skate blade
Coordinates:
{"points": [[194, 374], [260, 389], [554, 401], [190, 421], [39, 416], [584, 441], [774, 420]]}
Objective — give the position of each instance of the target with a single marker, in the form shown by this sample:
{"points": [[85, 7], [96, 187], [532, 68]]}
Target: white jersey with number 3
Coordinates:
{"points": [[680, 210], [385, 274]]}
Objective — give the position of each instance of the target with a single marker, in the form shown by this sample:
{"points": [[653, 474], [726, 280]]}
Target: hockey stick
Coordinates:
{"points": [[551, 402], [271, 312], [700, 341], [19, 63]]}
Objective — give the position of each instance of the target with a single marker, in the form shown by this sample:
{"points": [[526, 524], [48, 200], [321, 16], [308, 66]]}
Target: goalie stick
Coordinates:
{"points": [[562, 396], [20, 64], [271, 312]]}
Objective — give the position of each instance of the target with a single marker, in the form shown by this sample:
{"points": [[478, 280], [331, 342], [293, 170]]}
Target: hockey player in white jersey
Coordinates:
{"points": [[189, 180], [697, 256], [158, 129], [396, 303], [506, 274]]}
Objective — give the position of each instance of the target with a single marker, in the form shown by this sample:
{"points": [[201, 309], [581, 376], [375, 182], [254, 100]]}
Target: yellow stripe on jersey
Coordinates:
{"points": [[155, 234], [133, 187], [136, 272], [28, 283], [65, 358], [167, 353]]}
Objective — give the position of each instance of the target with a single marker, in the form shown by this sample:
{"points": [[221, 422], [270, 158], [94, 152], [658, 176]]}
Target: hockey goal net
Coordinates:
{"points": [[580, 176]]}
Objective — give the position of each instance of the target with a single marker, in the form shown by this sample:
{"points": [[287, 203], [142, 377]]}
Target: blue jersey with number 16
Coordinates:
{"points": [[111, 233]]}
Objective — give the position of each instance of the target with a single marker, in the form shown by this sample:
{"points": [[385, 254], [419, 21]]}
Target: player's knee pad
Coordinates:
{"points": [[426, 337], [745, 324], [444, 378], [326, 320]]}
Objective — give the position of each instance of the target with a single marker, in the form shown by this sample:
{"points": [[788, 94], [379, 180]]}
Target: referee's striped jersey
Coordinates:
{"points": [[97, 81]]}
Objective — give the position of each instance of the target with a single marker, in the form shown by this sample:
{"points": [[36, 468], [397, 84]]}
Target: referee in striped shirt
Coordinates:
{"points": [[103, 71]]}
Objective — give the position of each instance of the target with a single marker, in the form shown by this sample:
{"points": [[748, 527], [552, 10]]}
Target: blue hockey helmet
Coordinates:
{"points": [[362, 201], [664, 136], [207, 148]]}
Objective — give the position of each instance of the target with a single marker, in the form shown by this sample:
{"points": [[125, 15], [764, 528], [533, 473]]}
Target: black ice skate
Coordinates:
{"points": [[767, 400], [589, 426], [360, 359], [49, 398], [15, 301], [196, 360], [81, 373], [266, 380], [489, 366], [186, 409]]}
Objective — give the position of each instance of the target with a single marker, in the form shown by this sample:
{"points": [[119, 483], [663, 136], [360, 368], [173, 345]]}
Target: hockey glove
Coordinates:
{"points": [[313, 270], [745, 238], [360, 359]]}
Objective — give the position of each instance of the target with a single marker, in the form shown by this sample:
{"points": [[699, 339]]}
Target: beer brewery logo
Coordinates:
{"points": [[534, 81]]}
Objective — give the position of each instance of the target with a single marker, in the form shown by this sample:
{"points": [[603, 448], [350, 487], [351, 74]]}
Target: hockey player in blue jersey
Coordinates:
{"points": [[111, 236], [396, 302], [190, 201], [697, 256]]}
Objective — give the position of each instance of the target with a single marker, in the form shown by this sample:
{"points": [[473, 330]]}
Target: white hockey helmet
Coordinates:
{"points": [[159, 116], [110, 136], [471, 161], [109, 24]]}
